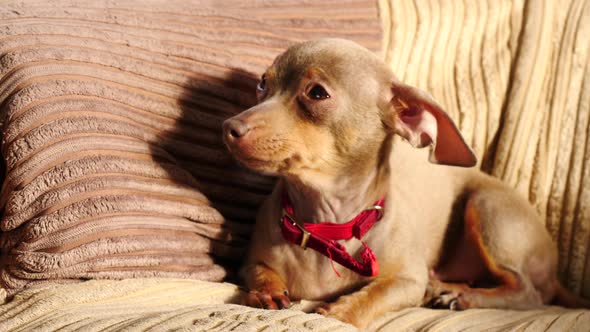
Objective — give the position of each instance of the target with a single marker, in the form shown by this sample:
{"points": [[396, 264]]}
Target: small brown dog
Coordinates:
{"points": [[325, 125]]}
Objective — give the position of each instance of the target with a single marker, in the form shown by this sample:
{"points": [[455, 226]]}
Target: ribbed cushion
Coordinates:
{"points": [[111, 114], [515, 75], [150, 305], [172, 304]]}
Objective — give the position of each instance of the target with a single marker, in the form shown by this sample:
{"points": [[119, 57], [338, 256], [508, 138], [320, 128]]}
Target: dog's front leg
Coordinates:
{"points": [[380, 295], [266, 289]]}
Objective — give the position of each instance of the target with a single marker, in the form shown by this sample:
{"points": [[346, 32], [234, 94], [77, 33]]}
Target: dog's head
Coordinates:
{"points": [[327, 105]]}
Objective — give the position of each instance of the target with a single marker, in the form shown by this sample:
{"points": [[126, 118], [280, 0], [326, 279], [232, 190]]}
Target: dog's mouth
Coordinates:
{"points": [[272, 167], [270, 155], [253, 162]]}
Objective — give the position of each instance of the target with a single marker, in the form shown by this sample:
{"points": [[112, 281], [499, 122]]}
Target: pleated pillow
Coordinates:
{"points": [[111, 115]]}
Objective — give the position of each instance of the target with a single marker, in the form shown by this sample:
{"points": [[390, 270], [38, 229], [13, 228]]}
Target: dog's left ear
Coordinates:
{"points": [[415, 116]]}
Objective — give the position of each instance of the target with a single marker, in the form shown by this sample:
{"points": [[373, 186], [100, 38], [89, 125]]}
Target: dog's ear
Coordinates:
{"points": [[414, 115]]}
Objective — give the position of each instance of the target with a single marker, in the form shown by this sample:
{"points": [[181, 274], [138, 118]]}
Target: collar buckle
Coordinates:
{"points": [[377, 208], [304, 232]]}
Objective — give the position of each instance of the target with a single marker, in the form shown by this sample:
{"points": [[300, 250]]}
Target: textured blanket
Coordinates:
{"points": [[188, 305]]}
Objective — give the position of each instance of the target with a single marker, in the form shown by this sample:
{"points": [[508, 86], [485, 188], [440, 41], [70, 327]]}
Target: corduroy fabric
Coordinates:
{"points": [[111, 114]]}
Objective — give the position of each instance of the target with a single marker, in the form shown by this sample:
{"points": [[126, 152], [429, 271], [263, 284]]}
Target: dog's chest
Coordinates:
{"points": [[313, 276]]}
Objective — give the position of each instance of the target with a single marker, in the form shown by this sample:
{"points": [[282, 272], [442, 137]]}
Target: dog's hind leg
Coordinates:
{"points": [[460, 296], [503, 258]]}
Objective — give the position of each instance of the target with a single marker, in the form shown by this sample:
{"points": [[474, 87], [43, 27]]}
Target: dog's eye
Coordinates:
{"points": [[262, 84], [317, 92]]}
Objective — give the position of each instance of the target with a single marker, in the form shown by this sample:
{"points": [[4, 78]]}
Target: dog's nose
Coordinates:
{"points": [[235, 129]]}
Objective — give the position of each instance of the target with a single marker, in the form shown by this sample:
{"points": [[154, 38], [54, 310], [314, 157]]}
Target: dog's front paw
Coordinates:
{"points": [[268, 299], [344, 311], [328, 311]]}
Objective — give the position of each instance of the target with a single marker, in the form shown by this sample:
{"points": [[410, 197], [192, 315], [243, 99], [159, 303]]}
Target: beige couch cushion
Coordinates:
{"points": [[111, 115], [190, 305], [516, 76]]}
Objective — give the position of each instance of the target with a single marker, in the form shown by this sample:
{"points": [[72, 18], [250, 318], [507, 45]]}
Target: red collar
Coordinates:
{"points": [[322, 237]]}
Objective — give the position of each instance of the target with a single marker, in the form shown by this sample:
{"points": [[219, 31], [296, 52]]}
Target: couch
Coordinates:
{"points": [[121, 209]]}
